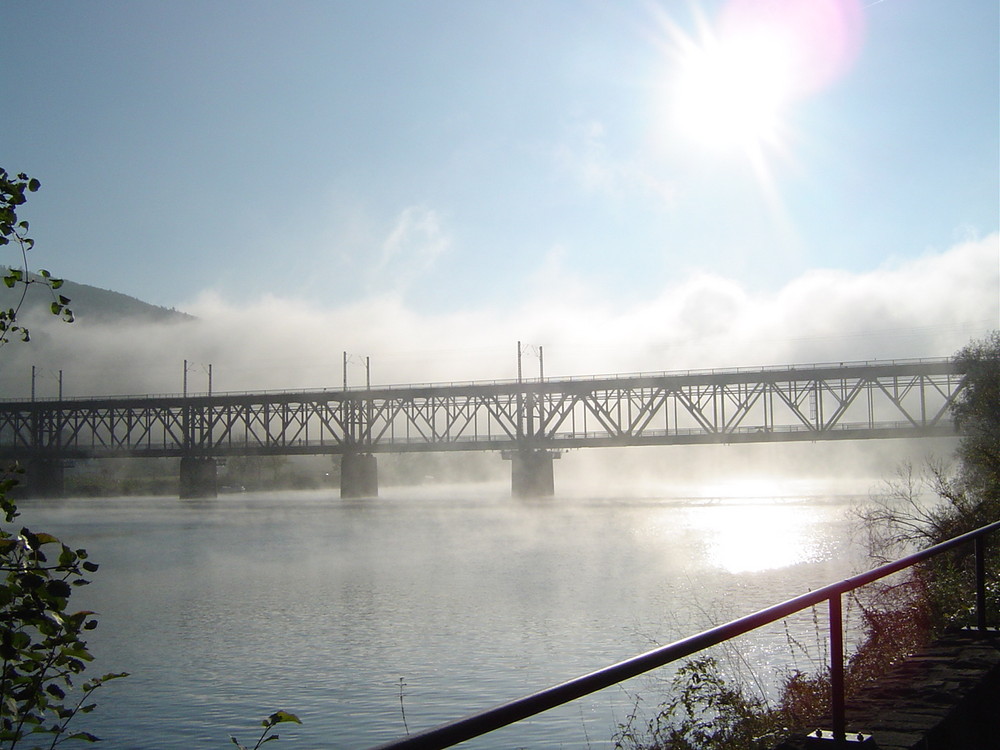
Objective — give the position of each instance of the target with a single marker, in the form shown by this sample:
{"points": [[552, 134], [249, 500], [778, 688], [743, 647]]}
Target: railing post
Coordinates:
{"points": [[981, 582], [837, 670]]}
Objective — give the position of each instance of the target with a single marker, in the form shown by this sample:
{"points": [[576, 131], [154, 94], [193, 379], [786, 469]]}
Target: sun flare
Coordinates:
{"points": [[734, 81], [733, 93]]}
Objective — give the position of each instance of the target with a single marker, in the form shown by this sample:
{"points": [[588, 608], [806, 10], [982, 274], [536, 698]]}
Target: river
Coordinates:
{"points": [[370, 617]]}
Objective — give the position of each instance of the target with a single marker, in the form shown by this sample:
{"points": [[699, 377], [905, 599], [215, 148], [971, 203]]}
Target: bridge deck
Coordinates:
{"points": [[810, 402]]}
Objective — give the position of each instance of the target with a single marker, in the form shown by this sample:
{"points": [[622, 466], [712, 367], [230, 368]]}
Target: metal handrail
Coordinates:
{"points": [[500, 716]]}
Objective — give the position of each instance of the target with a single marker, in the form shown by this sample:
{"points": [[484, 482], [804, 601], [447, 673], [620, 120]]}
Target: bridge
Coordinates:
{"points": [[528, 421]]}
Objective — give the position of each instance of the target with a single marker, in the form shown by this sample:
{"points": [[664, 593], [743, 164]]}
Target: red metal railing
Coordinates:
{"points": [[505, 714]]}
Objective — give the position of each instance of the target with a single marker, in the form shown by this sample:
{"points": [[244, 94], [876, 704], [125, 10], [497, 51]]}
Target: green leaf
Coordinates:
{"points": [[60, 589], [112, 676], [56, 308], [84, 736], [77, 653], [33, 185], [55, 690], [280, 716], [56, 283]]}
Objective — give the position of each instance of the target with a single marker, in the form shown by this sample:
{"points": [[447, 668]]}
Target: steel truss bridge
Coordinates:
{"points": [[522, 418]]}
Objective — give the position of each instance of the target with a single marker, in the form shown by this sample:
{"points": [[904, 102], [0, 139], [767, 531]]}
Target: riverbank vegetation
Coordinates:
{"points": [[707, 709]]}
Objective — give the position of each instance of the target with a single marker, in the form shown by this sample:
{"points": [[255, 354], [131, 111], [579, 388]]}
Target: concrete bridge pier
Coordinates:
{"points": [[44, 477], [198, 477], [531, 472], [358, 475]]}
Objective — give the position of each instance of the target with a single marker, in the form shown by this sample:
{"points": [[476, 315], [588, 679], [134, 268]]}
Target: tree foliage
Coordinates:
{"points": [[42, 651], [977, 416], [930, 504], [13, 190]]}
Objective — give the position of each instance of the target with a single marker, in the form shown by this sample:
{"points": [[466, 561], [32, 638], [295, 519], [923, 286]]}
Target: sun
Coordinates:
{"points": [[733, 93], [734, 81]]}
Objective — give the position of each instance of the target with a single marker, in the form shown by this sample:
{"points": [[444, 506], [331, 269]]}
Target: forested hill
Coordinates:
{"points": [[89, 304]]}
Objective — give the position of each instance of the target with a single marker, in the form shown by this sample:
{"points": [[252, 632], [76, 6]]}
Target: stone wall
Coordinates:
{"points": [[945, 697]]}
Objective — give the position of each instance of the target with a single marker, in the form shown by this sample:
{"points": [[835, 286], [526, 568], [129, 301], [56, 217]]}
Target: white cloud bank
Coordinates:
{"points": [[923, 308]]}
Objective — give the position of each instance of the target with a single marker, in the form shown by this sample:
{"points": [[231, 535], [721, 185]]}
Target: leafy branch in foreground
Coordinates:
{"points": [[42, 651], [278, 717], [13, 230]]}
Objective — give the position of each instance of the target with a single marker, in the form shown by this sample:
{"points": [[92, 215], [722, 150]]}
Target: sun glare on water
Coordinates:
{"points": [[750, 529], [756, 537]]}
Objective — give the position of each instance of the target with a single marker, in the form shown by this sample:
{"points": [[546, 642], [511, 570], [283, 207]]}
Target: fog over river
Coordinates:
{"points": [[225, 610]]}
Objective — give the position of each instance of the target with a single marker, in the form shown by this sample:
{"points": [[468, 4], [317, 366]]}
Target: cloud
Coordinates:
{"points": [[927, 307], [414, 244], [585, 157]]}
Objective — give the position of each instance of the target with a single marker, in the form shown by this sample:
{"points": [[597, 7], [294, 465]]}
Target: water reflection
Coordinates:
{"points": [[747, 536], [226, 610]]}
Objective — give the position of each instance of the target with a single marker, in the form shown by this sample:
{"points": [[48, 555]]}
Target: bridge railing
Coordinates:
{"points": [[513, 381], [505, 714]]}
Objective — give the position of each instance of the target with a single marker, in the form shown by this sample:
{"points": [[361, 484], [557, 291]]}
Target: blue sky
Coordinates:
{"points": [[460, 157]]}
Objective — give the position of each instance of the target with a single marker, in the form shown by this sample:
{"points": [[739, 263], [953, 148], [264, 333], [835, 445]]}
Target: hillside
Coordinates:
{"points": [[90, 305]]}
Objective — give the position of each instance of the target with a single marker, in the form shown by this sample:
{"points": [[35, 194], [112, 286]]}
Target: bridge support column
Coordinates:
{"points": [[44, 477], [531, 473], [198, 477], [358, 475]]}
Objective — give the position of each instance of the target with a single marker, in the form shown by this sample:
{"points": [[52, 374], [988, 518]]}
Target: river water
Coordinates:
{"points": [[369, 618]]}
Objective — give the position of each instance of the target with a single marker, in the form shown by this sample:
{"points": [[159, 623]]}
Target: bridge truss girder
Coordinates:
{"points": [[736, 406]]}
